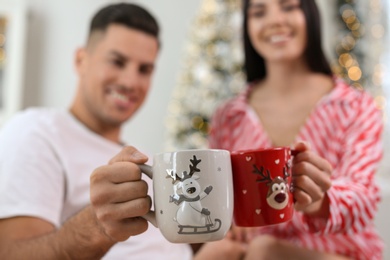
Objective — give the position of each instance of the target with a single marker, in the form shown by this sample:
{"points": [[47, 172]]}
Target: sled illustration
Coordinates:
{"points": [[209, 228]]}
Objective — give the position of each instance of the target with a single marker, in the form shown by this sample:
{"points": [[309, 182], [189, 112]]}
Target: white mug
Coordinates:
{"points": [[193, 194]]}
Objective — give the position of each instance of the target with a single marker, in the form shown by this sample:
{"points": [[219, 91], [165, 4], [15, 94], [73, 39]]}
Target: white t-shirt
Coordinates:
{"points": [[46, 158]]}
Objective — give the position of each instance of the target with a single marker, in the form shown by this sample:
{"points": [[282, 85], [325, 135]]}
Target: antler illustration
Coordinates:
{"points": [[263, 178], [193, 167], [174, 176]]}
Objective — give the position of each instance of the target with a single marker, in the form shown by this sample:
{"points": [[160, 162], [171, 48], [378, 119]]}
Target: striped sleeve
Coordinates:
{"points": [[354, 195]]}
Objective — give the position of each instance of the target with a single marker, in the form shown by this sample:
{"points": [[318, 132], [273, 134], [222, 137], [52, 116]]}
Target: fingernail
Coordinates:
{"points": [[138, 155]]}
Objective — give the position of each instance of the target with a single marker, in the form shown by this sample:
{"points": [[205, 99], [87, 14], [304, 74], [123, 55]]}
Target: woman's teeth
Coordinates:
{"points": [[278, 38]]}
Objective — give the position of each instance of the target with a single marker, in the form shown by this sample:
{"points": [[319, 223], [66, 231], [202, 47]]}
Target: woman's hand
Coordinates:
{"points": [[226, 249], [242, 234], [311, 179]]}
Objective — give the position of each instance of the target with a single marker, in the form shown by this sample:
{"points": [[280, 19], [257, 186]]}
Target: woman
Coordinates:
{"points": [[292, 99]]}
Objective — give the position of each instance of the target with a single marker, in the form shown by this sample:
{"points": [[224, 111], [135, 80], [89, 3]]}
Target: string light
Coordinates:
{"points": [[361, 46]]}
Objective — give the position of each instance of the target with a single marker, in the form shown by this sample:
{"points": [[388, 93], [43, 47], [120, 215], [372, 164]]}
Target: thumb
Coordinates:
{"points": [[129, 154], [301, 146]]}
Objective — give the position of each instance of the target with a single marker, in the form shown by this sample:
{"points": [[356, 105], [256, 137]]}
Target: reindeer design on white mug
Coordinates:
{"points": [[191, 216], [278, 189]]}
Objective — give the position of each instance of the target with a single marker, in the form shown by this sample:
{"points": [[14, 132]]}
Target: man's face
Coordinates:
{"points": [[115, 73]]}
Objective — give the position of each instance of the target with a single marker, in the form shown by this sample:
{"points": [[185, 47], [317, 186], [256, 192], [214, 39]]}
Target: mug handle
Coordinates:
{"points": [[151, 215]]}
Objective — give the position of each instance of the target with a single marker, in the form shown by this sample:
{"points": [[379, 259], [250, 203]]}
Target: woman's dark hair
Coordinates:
{"points": [[254, 64], [129, 15]]}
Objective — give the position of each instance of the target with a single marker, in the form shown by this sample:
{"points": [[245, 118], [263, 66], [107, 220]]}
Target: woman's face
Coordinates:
{"points": [[277, 29]]}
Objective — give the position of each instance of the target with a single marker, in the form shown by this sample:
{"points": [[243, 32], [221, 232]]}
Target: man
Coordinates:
{"points": [[47, 156]]}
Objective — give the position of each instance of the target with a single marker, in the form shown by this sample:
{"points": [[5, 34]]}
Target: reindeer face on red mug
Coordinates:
{"points": [[278, 189], [262, 186]]}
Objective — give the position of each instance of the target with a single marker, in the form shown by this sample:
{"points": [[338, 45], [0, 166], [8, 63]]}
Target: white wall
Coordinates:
{"points": [[56, 28]]}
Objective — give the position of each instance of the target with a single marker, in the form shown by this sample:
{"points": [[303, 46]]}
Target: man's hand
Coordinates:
{"points": [[119, 195]]}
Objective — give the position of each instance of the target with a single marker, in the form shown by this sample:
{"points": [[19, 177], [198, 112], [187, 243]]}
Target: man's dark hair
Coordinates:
{"points": [[254, 64], [130, 15]]}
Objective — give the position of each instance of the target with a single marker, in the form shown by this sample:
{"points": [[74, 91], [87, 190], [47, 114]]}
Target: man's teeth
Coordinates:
{"points": [[119, 96], [278, 38]]}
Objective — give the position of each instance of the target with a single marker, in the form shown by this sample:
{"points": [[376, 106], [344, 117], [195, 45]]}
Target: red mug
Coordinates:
{"points": [[262, 186]]}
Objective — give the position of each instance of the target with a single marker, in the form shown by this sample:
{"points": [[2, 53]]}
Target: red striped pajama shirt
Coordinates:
{"points": [[344, 128]]}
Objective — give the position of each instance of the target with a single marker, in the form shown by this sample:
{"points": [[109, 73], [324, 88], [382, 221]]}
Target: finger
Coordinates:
{"points": [[308, 186], [301, 146], [321, 178], [251, 234], [229, 235], [314, 159], [128, 191], [238, 234], [118, 193], [302, 199], [244, 235], [129, 154], [120, 211], [247, 234], [116, 173]]}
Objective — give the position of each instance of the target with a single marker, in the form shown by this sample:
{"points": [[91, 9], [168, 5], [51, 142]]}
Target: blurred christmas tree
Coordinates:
{"points": [[212, 67], [211, 72]]}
